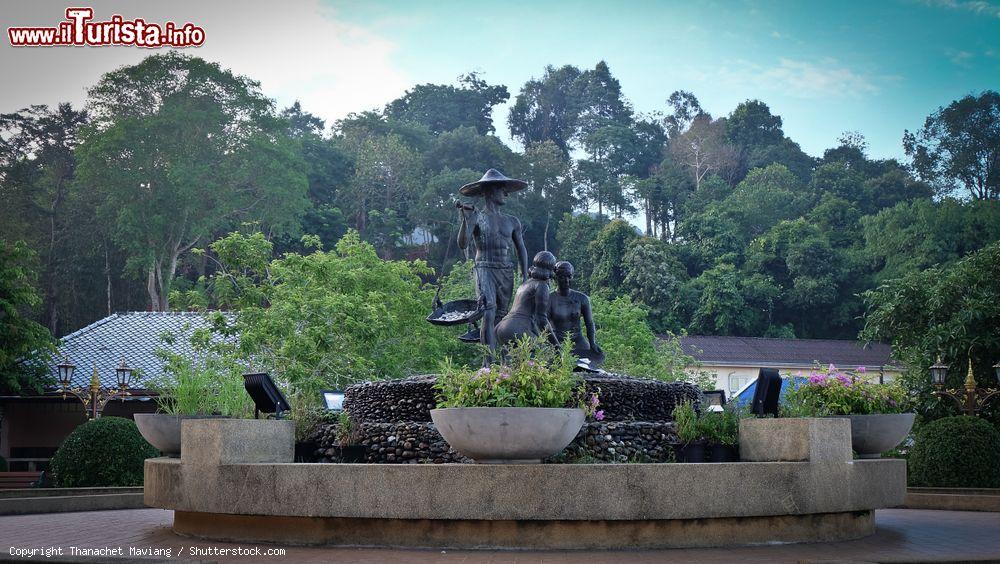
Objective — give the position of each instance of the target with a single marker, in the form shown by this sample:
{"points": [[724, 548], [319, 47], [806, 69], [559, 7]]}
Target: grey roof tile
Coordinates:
{"points": [[134, 336], [760, 351]]}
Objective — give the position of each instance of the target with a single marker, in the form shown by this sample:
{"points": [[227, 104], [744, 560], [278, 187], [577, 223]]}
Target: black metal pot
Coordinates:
{"points": [[722, 453], [691, 452]]}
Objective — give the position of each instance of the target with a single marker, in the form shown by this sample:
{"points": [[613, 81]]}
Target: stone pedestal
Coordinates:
{"points": [[235, 482], [808, 439]]}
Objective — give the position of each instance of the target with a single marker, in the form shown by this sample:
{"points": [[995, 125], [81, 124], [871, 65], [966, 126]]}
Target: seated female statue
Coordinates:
{"points": [[566, 307], [529, 313]]}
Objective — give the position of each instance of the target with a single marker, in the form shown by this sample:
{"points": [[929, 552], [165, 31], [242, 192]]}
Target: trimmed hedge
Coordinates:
{"points": [[956, 452], [101, 453]]}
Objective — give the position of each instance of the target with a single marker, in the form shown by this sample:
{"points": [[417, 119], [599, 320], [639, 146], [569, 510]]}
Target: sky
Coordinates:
{"points": [[876, 67]]}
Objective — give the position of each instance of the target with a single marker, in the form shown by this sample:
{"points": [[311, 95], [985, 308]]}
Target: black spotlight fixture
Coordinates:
{"points": [[265, 394]]}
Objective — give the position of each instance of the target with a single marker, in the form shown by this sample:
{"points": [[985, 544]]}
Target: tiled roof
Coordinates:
{"points": [[760, 351], [134, 336]]}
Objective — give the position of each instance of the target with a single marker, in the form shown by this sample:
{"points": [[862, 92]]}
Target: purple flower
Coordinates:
{"points": [[594, 401], [599, 415], [843, 379], [531, 363], [817, 379], [861, 370], [832, 368]]}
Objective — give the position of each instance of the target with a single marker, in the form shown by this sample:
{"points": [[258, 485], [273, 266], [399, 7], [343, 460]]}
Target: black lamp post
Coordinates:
{"points": [[971, 399], [94, 397]]}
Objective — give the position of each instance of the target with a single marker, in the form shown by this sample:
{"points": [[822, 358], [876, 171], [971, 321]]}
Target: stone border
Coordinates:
{"points": [[61, 500], [525, 535], [953, 499]]}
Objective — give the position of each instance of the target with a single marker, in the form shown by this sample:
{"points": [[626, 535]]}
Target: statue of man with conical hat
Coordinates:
{"points": [[493, 233]]}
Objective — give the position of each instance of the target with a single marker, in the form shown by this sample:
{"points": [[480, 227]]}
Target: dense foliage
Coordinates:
{"points": [[946, 311], [102, 452], [955, 452], [24, 343], [742, 233], [828, 391], [326, 319]]}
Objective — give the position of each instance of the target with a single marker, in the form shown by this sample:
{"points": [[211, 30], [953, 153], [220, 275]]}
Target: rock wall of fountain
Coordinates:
{"points": [[394, 421]]}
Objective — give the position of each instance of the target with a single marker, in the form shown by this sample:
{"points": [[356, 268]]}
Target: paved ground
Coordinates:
{"points": [[904, 535]]}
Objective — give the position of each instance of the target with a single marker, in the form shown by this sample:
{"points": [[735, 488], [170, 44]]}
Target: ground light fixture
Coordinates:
{"points": [[265, 394], [333, 400]]}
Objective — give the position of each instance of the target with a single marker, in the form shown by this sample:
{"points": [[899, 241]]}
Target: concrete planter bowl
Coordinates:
{"points": [[163, 431], [873, 434], [508, 435]]}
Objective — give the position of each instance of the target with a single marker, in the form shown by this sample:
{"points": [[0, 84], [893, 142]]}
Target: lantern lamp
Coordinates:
{"points": [[938, 372], [66, 369], [124, 375]]}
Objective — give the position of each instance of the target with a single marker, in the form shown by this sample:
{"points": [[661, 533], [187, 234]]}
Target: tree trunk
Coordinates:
{"points": [[107, 274], [154, 297]]}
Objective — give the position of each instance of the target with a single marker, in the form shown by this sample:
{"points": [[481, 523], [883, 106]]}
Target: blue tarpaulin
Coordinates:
{"points": [[745, 395]]}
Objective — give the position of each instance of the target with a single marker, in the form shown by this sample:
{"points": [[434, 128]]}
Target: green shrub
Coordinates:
{"points": [[102, 452], [3, 464], [957, 451]]}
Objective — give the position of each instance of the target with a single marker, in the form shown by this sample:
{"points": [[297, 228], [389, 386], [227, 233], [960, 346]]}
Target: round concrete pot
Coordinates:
{"points": [[873, 434], [508, 435], [163, 431]]}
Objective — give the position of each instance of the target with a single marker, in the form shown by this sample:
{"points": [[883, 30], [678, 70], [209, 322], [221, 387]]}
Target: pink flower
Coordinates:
{"points": [[599, 415], [832, 368], [861, 370], [531, 363]]}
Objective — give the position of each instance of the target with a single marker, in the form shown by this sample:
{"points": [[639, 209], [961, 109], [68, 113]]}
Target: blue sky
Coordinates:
{"points": [[825, 67], [877, 67]]}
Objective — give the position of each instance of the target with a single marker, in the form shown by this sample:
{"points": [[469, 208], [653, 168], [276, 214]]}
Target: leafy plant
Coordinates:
{"points": [[101, 453], [533, 373], [209, 383], [959, 451], [689, 428], [348, 433], [722, 427], [831, 392]]}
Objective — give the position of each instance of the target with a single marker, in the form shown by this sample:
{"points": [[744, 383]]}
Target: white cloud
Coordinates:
{"points": [[978, 7], [297, 50], [798, 78]]}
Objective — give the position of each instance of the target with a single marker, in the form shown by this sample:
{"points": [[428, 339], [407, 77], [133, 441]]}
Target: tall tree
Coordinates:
{"points": [[24, 344], [959, 146], [37, 166], [181, 149], [442, 108]]}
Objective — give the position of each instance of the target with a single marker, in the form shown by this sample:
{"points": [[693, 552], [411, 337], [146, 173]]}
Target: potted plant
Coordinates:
{"points": [[525, 409], [210, 385], [721, 429], [691, 430], [878, 412], [348, 436]]}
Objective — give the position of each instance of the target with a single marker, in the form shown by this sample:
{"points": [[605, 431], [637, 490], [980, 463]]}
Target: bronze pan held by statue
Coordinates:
{"points": [[456, 312]]}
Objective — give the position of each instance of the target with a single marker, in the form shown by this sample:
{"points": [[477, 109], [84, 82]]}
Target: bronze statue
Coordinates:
{"points": [[529, 313], [566, 307], [493, 232]]}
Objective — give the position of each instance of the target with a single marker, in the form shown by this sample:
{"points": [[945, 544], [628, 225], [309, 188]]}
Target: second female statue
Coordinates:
{"points": [[566, 308]]}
